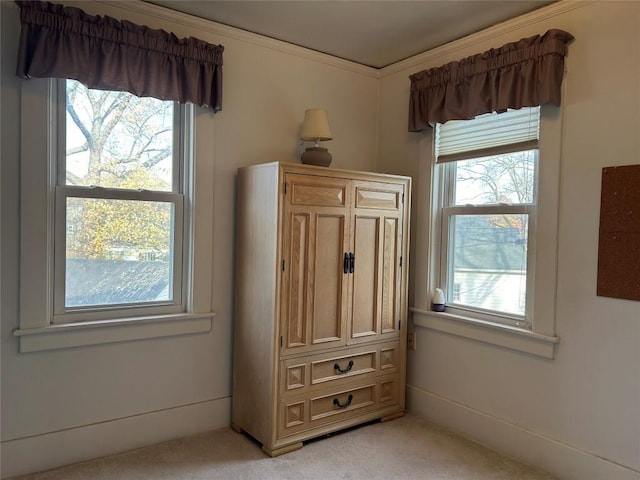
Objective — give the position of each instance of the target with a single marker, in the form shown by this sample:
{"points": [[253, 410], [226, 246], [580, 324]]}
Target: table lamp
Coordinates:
{"points": [[316, 129]]}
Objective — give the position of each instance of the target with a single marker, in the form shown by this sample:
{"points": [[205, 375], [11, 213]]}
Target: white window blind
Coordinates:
{"points": [[488, 134]]}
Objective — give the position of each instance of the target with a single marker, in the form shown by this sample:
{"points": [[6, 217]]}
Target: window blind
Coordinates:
{"points": [[488, 134]]}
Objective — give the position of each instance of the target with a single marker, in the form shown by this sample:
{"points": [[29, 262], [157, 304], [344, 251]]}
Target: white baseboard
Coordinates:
{"points": [[43, 452], [562, 460]]}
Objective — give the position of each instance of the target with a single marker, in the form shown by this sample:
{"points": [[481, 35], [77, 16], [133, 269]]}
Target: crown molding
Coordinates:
{"points": [[508, 26], [212, 28], [209, 27]]}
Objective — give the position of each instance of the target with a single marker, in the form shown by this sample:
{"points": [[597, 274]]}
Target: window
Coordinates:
{"points": [[110, 250], [487, 168], [488, 232], [119, 205]]}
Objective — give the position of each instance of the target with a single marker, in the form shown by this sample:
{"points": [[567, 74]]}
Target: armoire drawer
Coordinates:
{"points": [[312, 371], [330, 405]]}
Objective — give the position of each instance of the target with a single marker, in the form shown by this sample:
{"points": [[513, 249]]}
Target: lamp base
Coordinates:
{"points": [[316, 156]]}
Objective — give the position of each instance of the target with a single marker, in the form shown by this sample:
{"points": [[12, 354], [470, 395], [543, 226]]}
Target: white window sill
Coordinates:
{"points": [[78, 334], [506, 336]]}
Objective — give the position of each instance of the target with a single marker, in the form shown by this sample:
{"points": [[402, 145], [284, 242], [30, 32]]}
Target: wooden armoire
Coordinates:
{"points": [[321, 301]]}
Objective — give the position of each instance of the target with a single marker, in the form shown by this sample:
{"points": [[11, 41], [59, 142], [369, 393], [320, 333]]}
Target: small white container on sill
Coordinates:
{"points": [[438, 300]]}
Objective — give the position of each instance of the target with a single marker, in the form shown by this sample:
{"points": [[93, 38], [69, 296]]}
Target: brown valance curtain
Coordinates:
{"points": [[108, 54], [525, 73]]}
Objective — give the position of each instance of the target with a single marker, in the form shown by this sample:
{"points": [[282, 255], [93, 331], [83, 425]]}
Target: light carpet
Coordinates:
{"points": [[406, 448]]}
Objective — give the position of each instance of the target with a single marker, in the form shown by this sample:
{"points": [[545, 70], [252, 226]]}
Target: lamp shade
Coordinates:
{"points": [[316, 125]]}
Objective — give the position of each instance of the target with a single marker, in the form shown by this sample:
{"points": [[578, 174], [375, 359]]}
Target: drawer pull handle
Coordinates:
{"points": [[336, 366], [337, 403]]}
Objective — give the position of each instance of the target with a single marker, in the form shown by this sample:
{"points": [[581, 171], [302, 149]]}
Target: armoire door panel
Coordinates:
{"points": [[318, 191], [327, 282], [390, 289], [297, 275], [364, 315], [377, 197]]}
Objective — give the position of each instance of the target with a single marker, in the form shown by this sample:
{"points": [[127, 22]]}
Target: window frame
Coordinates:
{"points": [[446, 176], [37, 330], [539, 337], [182, 132]]}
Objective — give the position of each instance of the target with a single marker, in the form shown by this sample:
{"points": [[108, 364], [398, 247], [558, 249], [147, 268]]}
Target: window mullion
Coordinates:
{"points": [[531, 264], [59, 95], [186, 159], [177, 259], [445, 250], [177, 159], [488, 209], [119, 194], [449, 183], [59, 248]]}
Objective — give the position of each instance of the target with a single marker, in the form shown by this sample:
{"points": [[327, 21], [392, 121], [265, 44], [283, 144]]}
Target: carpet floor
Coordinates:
{"points": [[406, 448]]}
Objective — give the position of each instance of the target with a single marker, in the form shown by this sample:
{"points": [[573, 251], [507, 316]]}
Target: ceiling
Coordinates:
{"points": [[376, 33]]}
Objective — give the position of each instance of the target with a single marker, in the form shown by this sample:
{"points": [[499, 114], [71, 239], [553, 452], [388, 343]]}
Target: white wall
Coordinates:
{"points": [[68, 405], [577, 415]]}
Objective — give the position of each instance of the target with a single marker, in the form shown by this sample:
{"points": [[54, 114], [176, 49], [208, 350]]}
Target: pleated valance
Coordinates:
{"points": [[525, 73], [104, 53]]}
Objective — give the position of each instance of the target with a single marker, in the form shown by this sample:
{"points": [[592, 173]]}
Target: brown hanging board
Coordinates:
{"points": [[619, 243]]}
